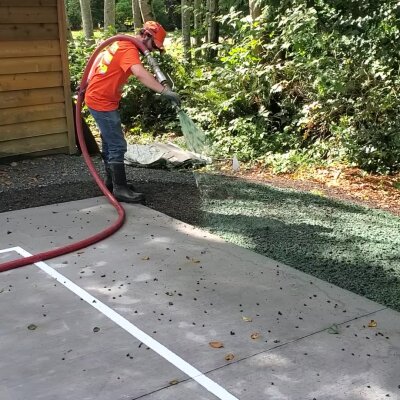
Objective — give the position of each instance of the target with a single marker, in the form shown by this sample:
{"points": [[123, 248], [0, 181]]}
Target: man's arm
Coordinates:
{"points": [[146, 78], [149, 81]]}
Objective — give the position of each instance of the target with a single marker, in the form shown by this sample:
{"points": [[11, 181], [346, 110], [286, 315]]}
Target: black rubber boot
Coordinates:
{"points": [[121, 190], [108, 179]]}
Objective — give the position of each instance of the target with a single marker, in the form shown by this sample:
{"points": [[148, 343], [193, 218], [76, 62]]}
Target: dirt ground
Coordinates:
{"points": [[20, 178], [342, 183]]}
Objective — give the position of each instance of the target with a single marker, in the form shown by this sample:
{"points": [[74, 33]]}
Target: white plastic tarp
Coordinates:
{"points": [[163, 155]]}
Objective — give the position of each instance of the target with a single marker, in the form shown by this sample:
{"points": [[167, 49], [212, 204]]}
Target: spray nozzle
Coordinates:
{"points": [[159, 75]]}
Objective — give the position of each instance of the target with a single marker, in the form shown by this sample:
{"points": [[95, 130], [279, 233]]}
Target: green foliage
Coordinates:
{"points": [[97, 8], [74, 14], [165, 11], [314, 81], [144, 110], [123, 15], [309, 82], [79, 52]]}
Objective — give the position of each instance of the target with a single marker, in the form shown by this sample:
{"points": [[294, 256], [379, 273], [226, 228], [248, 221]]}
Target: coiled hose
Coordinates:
{"points": [[121, 212]]}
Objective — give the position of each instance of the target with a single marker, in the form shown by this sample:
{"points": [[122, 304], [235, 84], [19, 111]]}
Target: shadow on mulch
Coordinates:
{"points": [[347, 245]]}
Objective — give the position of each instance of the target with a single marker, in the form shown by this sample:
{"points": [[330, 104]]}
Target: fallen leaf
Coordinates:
{"points": [[216, 345], [372, 324], [333, 329], [32, 327], [195, 261], [145, 258], [174, 382], [337, 174], [229, 357], [255, 335], [247, 319]]}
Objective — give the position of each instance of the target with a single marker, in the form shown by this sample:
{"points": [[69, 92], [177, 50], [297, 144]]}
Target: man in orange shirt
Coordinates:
{"points": [[109, 74]]}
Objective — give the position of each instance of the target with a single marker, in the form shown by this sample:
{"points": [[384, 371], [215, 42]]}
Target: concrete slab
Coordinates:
{"points": [[71, 350], [358, 363], [184, 288]]}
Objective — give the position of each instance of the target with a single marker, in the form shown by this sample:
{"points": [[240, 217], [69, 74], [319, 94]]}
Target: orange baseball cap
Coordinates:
{"points": [[157, 32]]}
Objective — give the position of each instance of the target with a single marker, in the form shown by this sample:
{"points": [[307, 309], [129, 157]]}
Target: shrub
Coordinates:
{"points": [[315, 79], [308, 82]]}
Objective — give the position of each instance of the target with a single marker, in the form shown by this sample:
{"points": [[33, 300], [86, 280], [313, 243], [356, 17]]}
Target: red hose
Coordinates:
{"points": [[121, 212]]}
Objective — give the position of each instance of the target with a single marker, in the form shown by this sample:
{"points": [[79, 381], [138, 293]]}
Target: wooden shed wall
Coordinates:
{"points": [[35, 97]]}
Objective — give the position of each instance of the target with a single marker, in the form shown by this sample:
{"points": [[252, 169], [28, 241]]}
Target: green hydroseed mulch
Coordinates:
{"points": [[350, 246]]}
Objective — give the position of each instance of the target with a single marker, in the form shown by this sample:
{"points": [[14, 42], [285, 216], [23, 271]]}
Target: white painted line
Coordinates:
{"points": [[160, 349], [9, 250]]}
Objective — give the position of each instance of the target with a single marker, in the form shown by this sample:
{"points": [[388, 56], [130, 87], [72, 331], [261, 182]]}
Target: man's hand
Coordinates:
{"points": [[171, 96]]}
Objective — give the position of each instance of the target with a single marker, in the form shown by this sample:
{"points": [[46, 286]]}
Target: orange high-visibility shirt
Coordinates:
{"points": [[110, 75]]}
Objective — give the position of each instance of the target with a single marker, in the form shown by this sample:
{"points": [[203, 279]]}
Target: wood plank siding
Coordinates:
{"points": [[35, 97]]}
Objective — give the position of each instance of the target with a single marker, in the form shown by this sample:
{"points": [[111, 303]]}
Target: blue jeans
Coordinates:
{"points": [[113, 141]]}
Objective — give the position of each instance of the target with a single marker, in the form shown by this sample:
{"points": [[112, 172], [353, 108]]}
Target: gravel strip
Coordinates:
{"points": [[60, 178]]}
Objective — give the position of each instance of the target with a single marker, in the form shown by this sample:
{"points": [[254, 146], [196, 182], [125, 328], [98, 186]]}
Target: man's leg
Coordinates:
{"points": [[114, 143]]}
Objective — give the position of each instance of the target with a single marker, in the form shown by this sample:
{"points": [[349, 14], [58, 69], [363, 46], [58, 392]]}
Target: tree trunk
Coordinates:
{"points": [[255, 9], [87, 22], [185, 12], [197, 13], [137, 15], [68, 25], [213, 27], [206, 20], [109, 14], [146, 12]]}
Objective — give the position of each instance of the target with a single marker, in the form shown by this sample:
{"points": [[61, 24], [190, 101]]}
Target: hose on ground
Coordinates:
{"points": [[121, 212]]}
